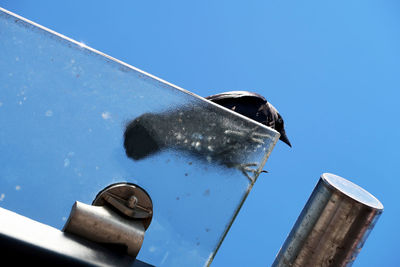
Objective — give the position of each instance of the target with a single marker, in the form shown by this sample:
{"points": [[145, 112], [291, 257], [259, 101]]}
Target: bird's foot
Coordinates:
{"points": [[247, 169]]}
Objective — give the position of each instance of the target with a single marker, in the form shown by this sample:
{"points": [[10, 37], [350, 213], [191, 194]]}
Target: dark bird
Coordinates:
{"points": [[207, 133], [253, 106]]}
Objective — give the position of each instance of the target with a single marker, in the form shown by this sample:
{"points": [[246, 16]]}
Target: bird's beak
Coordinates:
{"points": [[285, 139]]}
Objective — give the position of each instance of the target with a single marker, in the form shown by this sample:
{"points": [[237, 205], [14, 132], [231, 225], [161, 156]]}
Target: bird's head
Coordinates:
{"points": [[253, 106], [276, 122], [280, 127]]}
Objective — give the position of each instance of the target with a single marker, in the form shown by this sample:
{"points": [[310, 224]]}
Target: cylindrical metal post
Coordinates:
{"points": [[332, 227], [102, 225]]}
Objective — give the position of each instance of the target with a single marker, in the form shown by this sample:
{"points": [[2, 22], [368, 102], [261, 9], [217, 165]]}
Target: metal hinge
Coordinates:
{"points": [[118, 218]]}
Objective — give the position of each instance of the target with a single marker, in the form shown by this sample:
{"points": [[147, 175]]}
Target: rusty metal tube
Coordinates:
{"points": [[332, 227]]}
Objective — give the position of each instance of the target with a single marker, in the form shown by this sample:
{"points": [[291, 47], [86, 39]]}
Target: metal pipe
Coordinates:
{"points": [[332, 227], [102, 225]]}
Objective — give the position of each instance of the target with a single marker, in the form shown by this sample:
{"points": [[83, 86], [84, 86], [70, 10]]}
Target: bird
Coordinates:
{"points": [[207, 133], [253, 106]]}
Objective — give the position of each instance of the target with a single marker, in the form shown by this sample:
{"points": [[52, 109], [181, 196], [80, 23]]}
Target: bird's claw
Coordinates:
{"points": [[247, 168]]}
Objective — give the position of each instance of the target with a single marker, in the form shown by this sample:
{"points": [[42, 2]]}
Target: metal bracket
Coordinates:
{"points": [[118, 217], [26, 242], [129, 200]]}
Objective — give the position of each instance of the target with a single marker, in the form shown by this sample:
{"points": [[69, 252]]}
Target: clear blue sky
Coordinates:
{"points": [[331, 68]]}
